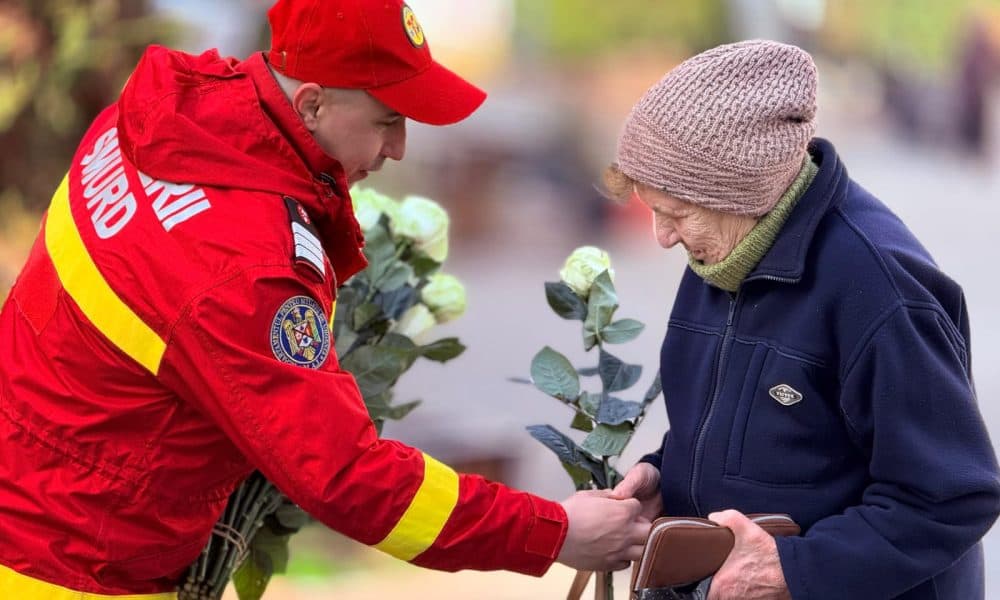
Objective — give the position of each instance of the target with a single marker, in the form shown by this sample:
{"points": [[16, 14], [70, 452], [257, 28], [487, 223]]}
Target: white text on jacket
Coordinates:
{"points": [[112, 205]]}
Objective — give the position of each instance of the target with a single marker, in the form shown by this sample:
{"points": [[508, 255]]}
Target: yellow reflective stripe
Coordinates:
{"points": [[333, 313], [22, 587], [428, 512], [84, 283]]}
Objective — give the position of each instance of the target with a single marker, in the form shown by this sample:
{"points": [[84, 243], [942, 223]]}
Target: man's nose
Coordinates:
{"points": [[395, 143]]}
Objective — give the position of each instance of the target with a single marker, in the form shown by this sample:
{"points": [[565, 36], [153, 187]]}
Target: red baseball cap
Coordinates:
{"points": [[374, 45]]}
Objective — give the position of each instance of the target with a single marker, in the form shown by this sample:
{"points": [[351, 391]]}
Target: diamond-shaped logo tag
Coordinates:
{"points": [[785, 394]]}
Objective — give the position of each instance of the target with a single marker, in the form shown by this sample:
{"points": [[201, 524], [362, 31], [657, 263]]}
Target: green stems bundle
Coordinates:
{"points": [[382, 314]]}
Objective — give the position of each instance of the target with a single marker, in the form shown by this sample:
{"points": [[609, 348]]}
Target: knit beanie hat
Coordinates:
{"points": [[727, 129]]}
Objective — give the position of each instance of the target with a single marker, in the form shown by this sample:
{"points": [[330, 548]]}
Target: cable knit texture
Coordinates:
{"points": [[726, 129]]}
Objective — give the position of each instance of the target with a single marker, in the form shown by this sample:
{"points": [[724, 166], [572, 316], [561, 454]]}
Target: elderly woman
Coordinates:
{"points": [[816, 361]]}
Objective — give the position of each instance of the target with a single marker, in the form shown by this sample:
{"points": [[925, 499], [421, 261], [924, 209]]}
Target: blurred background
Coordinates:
{"points": [[908, 93]]}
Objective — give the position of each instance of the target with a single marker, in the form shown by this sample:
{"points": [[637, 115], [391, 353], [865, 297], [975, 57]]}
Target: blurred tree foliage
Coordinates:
{"points": [[581, 29], [918, 34], [61, 62]]}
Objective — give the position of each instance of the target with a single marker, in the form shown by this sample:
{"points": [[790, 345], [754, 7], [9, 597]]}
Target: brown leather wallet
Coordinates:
{"points": [[684, 550]]}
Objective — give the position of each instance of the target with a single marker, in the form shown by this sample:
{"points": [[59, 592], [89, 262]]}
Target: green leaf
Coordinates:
{"points": [[569, 452], [582, 422], [608, 440], [615, 374], [377, 405], [375, 368], [590, 403], [380, 252], [581, 477], [407, 350], [398, 301], [442, 350], [602, 292], [601, 306], [622, 331], [655, 389], [399, 411], [347, 299], [615, 411], [616, 477], [268, 555], [564, 301], [423, 265], [251, 578], [564, 447], [365, 313], [396, 275], [291, 517], [553, 374], [344, 342], [399, 342]]}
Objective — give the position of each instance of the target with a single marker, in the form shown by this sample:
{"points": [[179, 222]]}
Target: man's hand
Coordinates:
{"points": [[642, 482], [604, 534], [752, 571]]}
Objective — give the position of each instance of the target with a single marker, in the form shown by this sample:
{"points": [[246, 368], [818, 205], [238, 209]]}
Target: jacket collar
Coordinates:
{"points": [[276, 105], [786, 259], [330, 208]]}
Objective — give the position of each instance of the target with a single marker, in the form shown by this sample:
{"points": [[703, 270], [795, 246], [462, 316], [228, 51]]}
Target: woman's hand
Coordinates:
{"points": [[642, 482], [753, 570]]}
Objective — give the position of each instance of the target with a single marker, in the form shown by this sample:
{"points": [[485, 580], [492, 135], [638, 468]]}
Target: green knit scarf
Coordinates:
{"points": [[730, 272]]}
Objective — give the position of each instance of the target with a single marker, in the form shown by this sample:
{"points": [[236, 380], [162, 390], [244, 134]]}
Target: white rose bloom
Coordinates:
{"points": [[582, 268], [415, 322], [445, 296], [426, 223], [369, 206]]}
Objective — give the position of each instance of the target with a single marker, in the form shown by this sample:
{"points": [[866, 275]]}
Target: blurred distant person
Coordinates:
{"points": [[977, 69], [816, 362], [170, 332]]}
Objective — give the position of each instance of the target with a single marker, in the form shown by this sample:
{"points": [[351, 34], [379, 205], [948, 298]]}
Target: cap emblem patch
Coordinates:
{"points": [[414, 32]]}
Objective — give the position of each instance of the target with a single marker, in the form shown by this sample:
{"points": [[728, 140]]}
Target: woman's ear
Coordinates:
{"points": [[306, 101]]}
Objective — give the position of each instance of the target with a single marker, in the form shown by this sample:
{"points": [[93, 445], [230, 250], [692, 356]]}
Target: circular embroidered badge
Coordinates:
{"points": [[414, 31], [299, 334]]}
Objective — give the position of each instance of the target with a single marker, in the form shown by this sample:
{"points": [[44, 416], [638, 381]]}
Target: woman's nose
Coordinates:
{"points": [[666, 235]]}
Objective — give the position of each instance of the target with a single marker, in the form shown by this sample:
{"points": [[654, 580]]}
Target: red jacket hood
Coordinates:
{"points": [[222, 123]]}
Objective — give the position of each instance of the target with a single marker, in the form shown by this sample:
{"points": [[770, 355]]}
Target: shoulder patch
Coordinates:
{"points": [[307, 248], [299, 333]]}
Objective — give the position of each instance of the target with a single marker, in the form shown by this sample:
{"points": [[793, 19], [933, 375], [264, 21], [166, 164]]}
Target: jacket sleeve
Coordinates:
{"points": [[933, 491], [307, 430], [655, 458]]}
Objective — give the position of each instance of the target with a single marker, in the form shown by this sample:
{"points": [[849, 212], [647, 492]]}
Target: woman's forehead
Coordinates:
{"points": [[659, 199]]}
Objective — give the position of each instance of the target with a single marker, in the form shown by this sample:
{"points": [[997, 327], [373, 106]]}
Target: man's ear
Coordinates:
{"points": [[306, 101]]}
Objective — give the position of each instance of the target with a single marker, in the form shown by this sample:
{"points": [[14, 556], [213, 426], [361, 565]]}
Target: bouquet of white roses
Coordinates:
{"points": [[382, 315], [586, 293]]}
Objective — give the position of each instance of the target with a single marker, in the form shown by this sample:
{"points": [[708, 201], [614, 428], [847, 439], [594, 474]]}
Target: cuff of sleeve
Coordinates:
{"points": [[653, 458], [793, 578], [546, 534]]}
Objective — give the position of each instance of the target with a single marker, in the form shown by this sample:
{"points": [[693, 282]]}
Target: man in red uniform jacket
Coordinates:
{"points": [[144, 369]]}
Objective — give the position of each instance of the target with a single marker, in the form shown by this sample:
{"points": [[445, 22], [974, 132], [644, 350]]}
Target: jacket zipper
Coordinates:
{"points": [[773, 278], [699, 448], [331, 184]]}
